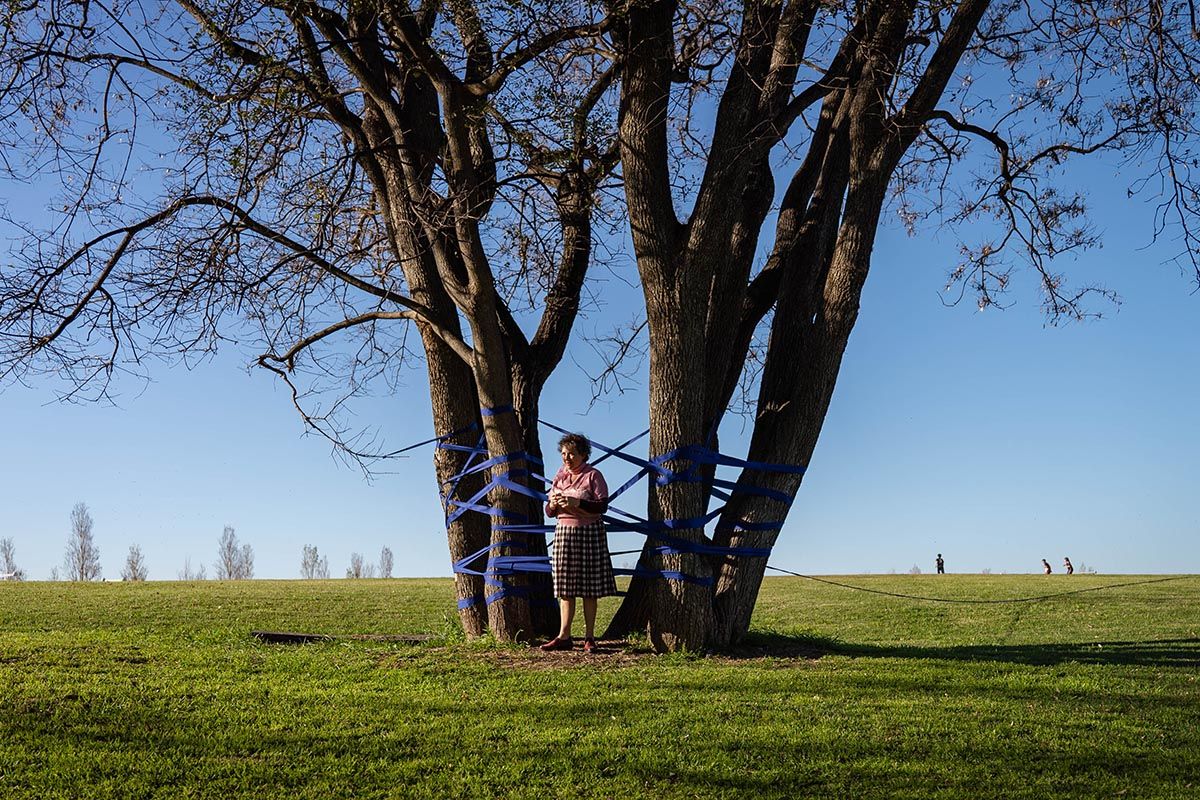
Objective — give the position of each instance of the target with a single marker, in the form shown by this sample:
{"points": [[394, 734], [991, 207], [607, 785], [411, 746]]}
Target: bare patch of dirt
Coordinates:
{"points": [[620, 654]]}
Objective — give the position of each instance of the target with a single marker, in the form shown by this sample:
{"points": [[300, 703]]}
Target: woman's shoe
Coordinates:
{"points": [[559, 643], [589, 644]]}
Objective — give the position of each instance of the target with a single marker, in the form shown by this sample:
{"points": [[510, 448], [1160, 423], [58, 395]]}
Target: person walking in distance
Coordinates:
{"points": [[1069, 566], [941, 565], [1046, 567]]}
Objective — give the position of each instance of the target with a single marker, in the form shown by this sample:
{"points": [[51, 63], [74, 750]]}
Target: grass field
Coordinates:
{"points": [[158, 690]]}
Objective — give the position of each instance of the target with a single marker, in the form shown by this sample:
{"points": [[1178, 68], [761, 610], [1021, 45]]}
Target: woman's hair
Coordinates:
{"points": [[578, 443]]}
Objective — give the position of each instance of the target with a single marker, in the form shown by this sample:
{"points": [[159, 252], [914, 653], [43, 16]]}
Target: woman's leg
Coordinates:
{"points": [[566, 613], [589, 616]]}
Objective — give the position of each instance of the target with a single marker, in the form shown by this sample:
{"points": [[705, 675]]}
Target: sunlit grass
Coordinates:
{"points": [[158, 690]]}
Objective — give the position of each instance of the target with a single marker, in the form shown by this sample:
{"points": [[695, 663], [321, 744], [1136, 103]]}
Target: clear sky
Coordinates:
{"points": [[986, 436]]}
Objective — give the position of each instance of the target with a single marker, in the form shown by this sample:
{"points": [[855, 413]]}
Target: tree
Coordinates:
{"points": [[135, 567], [8, 561], [312, 564], [82, 561], [872, 123], [188, 574], [359, 568], [235, 562], [341, 173], [347, 170], [385, 563]]}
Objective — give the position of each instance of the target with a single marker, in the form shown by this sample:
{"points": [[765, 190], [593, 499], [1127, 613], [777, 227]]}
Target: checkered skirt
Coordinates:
{"points": [[582, 565]]}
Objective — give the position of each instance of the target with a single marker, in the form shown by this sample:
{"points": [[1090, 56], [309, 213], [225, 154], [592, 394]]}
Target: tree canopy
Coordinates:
{"points": [[324, 179]]}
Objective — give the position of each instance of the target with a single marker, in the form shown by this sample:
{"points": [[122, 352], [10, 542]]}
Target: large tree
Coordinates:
{"points": [[965, 110], [349, 169], [317, 179]]}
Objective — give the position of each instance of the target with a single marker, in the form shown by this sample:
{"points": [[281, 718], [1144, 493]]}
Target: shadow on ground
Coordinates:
{"points": [[1156, 653]]}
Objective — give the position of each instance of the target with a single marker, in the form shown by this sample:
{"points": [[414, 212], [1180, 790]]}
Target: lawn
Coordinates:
{"points": [[159, 690]]}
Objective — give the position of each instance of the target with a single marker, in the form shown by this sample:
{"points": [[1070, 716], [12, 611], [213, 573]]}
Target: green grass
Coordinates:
{"points": [[158, 690]]}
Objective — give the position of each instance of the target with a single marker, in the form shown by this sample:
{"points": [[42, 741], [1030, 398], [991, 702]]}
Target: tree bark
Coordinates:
{"points": [[791, 419], [811, 328]]}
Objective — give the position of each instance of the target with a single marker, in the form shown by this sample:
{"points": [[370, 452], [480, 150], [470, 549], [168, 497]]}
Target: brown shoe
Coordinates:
{"points": [[559, 643], [589, 644]]}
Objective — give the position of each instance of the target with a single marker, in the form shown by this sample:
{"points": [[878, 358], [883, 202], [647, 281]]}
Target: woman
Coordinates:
{"points": [[582, 566]]}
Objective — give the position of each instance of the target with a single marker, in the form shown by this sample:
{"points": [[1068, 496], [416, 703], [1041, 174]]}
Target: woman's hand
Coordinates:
{"points": [[559, 501]]}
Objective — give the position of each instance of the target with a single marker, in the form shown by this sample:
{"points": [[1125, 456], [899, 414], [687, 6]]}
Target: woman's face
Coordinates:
{"points": [[571, 458]]}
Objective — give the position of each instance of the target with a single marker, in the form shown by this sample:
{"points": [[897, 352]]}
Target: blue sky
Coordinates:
{"points": [[986, 436]]}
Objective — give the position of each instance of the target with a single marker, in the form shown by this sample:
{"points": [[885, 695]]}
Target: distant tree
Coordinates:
{"points": [[247, 562], [83, 557], [385, 563], [8, 562], [135, 567], [188, 574], [54, 576], [358, 568], [312, 564], [914, 570], [234, 562]]}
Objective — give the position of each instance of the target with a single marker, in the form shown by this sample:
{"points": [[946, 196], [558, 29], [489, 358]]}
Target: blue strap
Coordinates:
{"points": [[439, 439], [499, 567], [457, 478], [644, 572], [621, 446]]}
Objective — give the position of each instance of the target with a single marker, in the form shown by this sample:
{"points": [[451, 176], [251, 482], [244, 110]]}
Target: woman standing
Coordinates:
{"points": [[582, 566]]}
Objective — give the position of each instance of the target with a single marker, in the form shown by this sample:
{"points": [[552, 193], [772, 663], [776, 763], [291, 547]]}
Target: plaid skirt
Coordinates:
{"points": [[582, 565]]}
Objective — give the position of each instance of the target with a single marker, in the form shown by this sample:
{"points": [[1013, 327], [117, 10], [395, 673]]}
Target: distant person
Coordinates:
{"points": [[1046, 567], [1067, 564], [941, 565]]}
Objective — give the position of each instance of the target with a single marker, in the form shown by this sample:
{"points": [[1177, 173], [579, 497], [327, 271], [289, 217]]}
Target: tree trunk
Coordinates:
{"points": [[802, 368], [633, 615], [508, 593], [681, 613], [815, 314], [452, 394], [543, 608]]}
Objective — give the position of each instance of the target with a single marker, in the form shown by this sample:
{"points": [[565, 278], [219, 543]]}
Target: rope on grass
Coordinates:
{"points": [[1035, 598]]}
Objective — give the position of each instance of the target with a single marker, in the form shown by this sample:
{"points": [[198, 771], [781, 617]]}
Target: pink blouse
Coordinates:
{"points": [[586, 484]]}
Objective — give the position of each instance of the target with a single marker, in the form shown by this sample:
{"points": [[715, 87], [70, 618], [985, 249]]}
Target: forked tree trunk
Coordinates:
{"points": [[802, 368], [452, 395], [543, 608], [509, 616], [807, 348], [680, 611]]}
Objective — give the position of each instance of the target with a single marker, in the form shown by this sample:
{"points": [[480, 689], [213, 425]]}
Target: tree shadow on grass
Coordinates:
{"points": [[1184, 653]]}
